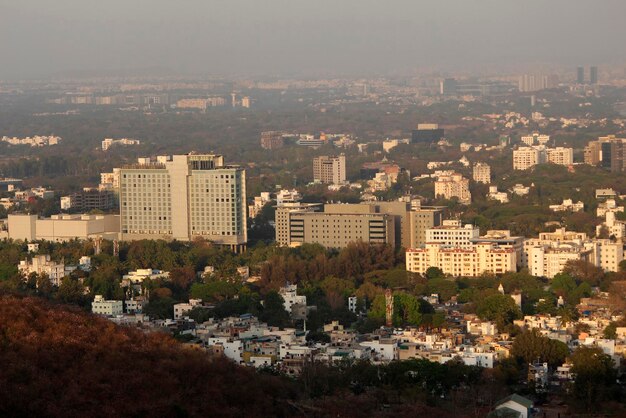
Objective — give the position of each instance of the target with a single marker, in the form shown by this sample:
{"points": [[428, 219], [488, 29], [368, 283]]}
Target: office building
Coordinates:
{"points": [[330, 170], [481, 173], [607, 152], [296, 225], [395, 223], [448, 87], [184, 198], [580, 75], [427, 133], [593, 75], [453, 185], [271, 140]]}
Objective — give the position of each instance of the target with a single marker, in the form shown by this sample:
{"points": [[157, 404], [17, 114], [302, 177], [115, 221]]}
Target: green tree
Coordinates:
{"points": [[531, 346], [595, 376], [499, 308], [273, 311]]}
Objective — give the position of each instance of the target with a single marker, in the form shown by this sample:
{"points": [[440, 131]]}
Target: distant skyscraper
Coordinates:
{"points": [[448, 87], [580, 75], [593, 75]]}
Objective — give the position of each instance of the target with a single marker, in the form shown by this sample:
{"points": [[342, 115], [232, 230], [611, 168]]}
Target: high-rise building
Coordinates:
{"points": [[607, 152], [593, 75], [448, 87], [427, 133], [580, 75], [560, 155], [330, 170], [482, 173], [183, 198], [535, 82], [272, 140]]}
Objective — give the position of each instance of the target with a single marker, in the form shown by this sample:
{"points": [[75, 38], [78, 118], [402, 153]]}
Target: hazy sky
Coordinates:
{"points": [[240, 37]]}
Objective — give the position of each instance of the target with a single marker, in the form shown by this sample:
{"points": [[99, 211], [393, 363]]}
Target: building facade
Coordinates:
{"points": [[272, 140], [453, 185], [183, 198], [330, 170], [481, 173]]}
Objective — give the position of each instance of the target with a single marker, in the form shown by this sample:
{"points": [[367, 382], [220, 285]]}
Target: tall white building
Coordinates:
{"points": [[527, 157], [330, 170], [183, 198], [482, 173], [453, 185]]}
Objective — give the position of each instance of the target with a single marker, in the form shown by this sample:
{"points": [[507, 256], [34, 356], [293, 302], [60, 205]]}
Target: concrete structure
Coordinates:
{"points": [[330, 170], [109, 142], [396, 223], [259, 202], [180, 309], [527, 157], [536, 82], [427, 133], [183, 198], [494, 194], [481, 173], [89, 199], [452, 234], [607, 152], [287, 197], [453, 185], [291, 298], [42, 264], [61, 228], [296, 225], [272, 140], [469, 261], [568, 205], [100, 306], [535, 139]]}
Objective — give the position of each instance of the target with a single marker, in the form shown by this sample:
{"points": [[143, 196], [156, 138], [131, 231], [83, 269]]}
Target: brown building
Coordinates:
{"points": [[272, 140], [339, 224]]}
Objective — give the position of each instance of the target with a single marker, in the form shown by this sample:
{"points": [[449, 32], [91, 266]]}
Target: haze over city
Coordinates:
{"points": [[286, 37]]}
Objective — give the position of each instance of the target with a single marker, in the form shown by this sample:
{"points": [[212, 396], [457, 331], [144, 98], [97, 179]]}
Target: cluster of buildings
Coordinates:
{"points": [[107, 143], [527, 157], [34, 141], [607, 152], [201, 103]]}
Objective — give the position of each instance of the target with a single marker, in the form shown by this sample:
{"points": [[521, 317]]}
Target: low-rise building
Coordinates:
{"points": [[568, 205], [180, 309], [100, 306], [42, 264], [60, 228]]}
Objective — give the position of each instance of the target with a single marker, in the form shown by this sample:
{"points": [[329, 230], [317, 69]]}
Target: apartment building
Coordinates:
{"points": [[107, 143], [527, 157], [470, 261], [481, 173], [42, 264], [535, 139], [453, 185], [330, 170], [272, 140], [89, 199], [404, 226], [183, 198], [452, 234], [100, 306], [560, 156]]}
